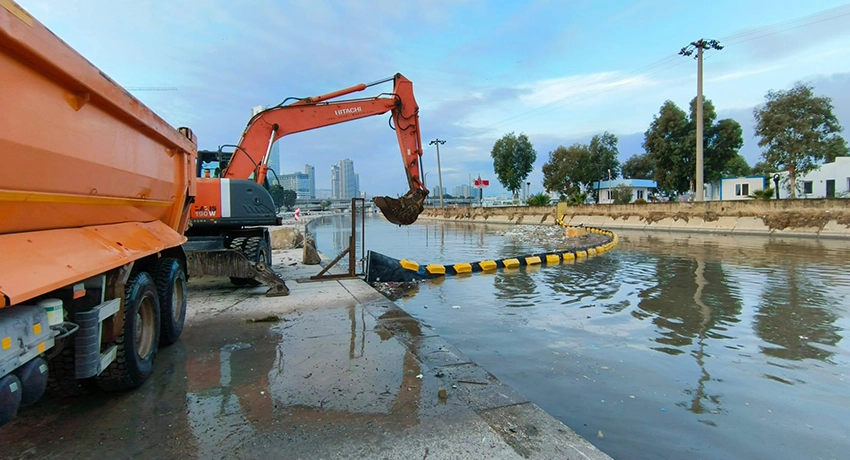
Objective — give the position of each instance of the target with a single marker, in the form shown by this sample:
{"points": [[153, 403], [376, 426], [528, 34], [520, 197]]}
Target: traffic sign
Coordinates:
{"points": [[297, 214]]}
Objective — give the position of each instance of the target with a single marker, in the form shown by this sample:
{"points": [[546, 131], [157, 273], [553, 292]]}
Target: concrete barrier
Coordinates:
{"points": [[827, 218]]}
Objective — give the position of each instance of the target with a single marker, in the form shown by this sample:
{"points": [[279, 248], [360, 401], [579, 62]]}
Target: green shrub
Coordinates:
{"points": [[577, 199], [622, 194], [763, 194], [640, 201], [540, 199]]}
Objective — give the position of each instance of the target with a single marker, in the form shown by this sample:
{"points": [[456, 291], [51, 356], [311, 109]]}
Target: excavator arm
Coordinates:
{"points": [[252, 155]]}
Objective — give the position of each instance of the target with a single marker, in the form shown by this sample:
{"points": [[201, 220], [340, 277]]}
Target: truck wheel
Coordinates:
{"points": [[62, 376], [138, 344], [171, 285]]}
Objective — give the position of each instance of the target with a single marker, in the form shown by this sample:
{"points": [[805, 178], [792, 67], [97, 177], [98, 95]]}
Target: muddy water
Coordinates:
{"points": [[672, 346]]}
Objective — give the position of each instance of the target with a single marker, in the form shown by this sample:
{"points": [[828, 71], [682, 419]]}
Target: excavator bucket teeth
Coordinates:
{"points": [[404, 210], [227, 262]]}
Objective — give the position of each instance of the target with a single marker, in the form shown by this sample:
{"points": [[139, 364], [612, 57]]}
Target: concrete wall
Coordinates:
{"points": [[818, 218]]}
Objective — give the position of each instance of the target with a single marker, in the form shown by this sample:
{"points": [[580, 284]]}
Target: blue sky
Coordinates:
{"points": [[559, 71]]}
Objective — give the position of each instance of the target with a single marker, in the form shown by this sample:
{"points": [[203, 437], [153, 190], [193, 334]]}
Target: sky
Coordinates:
{"points": [[558, 71]]}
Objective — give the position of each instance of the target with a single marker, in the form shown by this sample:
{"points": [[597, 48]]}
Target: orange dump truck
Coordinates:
{"points": [[95, 192]]}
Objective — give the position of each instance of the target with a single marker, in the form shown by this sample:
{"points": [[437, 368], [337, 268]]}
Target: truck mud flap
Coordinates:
{"points": [[227, 262]]}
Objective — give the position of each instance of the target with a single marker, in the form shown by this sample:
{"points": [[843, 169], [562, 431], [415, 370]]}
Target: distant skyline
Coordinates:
{"points": [[557, 71]]}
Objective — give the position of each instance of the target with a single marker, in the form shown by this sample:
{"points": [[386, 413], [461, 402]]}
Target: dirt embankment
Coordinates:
{"points": [[775, 214]]}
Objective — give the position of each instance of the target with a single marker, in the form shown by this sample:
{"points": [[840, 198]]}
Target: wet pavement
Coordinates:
{"points": [[334, 370]]}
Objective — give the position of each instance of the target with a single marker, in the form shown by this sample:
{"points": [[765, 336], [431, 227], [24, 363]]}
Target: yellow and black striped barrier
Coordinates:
{"points": [[382, 268]]}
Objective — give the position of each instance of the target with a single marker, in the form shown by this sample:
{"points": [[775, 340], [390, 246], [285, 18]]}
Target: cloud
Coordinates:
{"points": [[794, 36]]}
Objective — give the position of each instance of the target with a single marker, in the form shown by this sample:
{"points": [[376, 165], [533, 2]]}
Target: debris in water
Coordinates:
{"points": [[632, 396], [265, 319], [442, 394], [420, 376], [455, 306], [600, 435]]}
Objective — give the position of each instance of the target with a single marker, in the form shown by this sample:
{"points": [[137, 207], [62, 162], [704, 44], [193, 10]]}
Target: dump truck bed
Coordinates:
{"points": [[90, 178]]}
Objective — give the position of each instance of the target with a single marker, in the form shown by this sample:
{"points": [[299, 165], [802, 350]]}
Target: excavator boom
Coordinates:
{"points": [[252, 155]]}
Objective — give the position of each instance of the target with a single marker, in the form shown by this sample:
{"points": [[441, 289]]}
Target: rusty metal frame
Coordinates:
{"points": [[351, 250]]}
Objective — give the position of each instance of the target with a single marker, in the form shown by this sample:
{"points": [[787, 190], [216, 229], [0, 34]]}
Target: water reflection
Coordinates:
{"points": [[794, 316]]}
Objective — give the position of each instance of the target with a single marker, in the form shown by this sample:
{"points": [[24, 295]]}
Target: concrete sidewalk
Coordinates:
{"points": [[334, 370]]}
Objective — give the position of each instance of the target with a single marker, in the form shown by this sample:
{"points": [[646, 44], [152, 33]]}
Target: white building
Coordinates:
{"points": [[828, 181], [640, 189], [734, 188]]}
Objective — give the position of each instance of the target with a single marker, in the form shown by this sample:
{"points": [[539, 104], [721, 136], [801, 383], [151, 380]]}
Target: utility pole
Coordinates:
{"points": [[699, 45], [437, 142]]}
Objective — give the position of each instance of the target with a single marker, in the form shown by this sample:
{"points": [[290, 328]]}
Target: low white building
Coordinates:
{"points": [[828, 181], [640, 188], [734, 188]]}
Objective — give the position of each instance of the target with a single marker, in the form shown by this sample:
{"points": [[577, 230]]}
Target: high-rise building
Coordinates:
{"points": [[336, 182], [299, 182], [357, 184], [274, 156], [311, 171], [462, 191], [347, 179]]}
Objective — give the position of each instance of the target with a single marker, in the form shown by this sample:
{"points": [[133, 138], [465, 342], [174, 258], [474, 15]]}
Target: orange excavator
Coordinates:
{"points": [[228, 236]]}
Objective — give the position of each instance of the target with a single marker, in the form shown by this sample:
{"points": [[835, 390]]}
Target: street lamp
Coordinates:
{"points": [[425, 180], [437, 142]]}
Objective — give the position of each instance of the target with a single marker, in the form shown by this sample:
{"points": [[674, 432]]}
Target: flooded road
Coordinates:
{"points": [[670, 346]]}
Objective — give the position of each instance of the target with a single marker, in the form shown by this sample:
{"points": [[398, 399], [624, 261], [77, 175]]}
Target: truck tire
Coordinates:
{"points": [[62, 379], [170, 281], [137, 345]]}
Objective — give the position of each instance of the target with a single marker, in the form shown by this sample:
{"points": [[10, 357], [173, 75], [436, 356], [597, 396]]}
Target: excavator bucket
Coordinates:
{"points": [[227, 262], [404, 210]]}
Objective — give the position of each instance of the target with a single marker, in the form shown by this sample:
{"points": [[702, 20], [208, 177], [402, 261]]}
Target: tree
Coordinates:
{"points": [[737, 166], [563, 172], [670, 142], [762, 169], [276, 191], [639, 167], [513, 158], [577, 168], [603, 160], [666, 144], [288, 199], [797, 130]]}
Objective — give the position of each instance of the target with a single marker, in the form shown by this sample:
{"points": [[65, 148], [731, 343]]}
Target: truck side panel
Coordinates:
{"points": [[90, 178]]}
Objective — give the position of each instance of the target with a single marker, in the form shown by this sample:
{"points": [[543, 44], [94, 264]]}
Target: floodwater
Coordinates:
{"points": [[673, 345]]}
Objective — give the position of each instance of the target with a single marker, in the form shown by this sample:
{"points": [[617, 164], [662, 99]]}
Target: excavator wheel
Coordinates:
{"points": [[256, 249], [238, 244]]}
